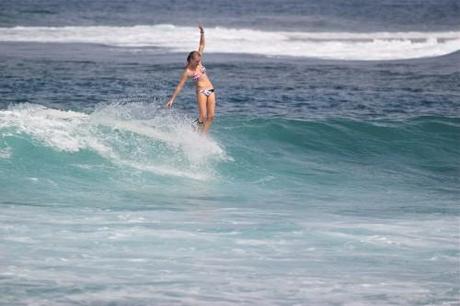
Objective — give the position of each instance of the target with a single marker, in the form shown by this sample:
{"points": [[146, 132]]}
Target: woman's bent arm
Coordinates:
{"points": [[179, 87]]}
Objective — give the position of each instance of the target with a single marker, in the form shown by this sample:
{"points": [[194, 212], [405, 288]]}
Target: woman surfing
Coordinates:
{"points": [[205, 93]]}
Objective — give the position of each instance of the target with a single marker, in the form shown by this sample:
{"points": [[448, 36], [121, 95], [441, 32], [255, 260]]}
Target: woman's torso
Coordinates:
{"points": [[199, 75]]}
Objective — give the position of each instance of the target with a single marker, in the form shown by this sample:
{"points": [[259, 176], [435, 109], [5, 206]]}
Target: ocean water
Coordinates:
{"points": [[330, 176]]}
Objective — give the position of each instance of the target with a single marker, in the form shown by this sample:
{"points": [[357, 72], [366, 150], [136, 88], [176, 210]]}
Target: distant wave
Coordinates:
{"points": [[324, 45]]}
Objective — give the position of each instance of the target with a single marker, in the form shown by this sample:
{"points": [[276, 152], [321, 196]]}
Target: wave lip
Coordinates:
{"points": [[122, 134], [323, 45]]}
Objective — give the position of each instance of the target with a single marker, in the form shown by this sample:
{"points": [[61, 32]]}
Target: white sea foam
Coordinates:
{"points": [[55, 128], [164, 145], [326, 45]]}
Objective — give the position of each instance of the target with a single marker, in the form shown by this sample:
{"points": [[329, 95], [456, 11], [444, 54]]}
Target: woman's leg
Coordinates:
{"points": [[202, 110], [210, 110]]}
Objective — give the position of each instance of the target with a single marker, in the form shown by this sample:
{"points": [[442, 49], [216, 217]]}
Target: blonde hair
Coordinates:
{"points": [[192, 54]]}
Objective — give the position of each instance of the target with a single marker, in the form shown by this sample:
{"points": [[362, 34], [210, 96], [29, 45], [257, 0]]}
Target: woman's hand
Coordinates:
{"points": [[169, 103], [200, 26]]}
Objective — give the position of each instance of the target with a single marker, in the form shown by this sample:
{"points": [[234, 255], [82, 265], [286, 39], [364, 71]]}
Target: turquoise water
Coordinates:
{"points": [[336, 159], [107, 206]]}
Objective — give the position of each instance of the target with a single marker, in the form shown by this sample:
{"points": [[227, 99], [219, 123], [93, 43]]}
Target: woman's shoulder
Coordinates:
{"points": [[189, 72]]}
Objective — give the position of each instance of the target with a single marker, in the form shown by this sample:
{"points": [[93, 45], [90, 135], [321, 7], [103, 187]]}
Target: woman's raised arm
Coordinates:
{"points": [[201, 47]]}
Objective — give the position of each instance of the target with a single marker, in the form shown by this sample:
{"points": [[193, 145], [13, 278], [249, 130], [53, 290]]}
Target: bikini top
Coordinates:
{"points": [[197, 75]]}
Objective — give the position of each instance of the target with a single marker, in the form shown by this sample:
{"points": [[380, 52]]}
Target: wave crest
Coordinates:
{"points": [[137, 135]]}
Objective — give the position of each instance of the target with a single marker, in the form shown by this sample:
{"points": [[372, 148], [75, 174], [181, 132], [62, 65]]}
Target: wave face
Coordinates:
{"points": [[323, 45], [365, 157], [142, 137]]}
